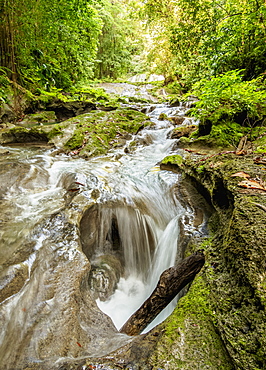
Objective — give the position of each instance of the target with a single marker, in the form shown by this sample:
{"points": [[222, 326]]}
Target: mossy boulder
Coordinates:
{"points": [[163, 117], [225, 135], [172, 163], [39, 118], [87, 135], [97, 132]]}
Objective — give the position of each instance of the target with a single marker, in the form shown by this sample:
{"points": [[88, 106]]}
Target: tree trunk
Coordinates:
{"points": [[7, 43], [170, 284]]}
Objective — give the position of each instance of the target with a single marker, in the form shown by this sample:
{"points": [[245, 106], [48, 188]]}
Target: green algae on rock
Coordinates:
{"points": [[189, 338], [40, 118], [89, 134]]}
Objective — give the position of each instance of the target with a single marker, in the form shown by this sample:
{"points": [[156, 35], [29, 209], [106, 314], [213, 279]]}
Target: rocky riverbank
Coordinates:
{"points": [[230, 292]]}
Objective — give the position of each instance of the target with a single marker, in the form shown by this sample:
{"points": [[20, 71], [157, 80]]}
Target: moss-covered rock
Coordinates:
{"points": [[172, 163], [87, 135], [39, 118], [96, 132], [236, 254], [189, 339], [23, 135], [162, 117]]}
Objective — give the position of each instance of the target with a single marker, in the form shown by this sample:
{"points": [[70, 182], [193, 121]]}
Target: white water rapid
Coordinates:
{"points": [[40, 251]]}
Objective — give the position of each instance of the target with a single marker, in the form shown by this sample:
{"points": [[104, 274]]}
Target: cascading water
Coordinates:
{"points": [[137, 222]]}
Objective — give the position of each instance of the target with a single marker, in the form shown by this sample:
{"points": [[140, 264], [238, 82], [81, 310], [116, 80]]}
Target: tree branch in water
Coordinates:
{"points": [[171, 282]]}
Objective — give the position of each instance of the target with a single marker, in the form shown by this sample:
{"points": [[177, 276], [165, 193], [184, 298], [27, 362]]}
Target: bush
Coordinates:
{"points": [[227, 97]]}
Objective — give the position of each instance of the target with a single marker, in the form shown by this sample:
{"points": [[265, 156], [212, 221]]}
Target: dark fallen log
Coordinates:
{"points": [[170, 284]]}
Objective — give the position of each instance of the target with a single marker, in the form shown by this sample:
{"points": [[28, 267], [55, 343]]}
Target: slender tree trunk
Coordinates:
{"points": [[8, 58]]}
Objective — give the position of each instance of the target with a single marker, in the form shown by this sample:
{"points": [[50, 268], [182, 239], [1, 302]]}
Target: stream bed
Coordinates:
{"points": [[83, 243]]}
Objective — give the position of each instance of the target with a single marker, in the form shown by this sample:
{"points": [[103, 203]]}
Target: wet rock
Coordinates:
{"points": [[7, 114], [144, 140], [38, 119], [89, 230], [62, 109], [236, 255], [105, 273], [12, 280], [120, 142], [184, 131], [56, 317], [4, 152], [23, 135], [16, 175], [177, 120], [65, 110]]}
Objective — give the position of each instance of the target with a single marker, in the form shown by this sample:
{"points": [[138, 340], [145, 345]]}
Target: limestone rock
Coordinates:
{"points": [[184, 131], [39, 118]]}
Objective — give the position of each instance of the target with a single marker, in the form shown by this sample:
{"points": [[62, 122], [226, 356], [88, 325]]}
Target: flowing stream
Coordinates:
{"points": [[41, 252]]}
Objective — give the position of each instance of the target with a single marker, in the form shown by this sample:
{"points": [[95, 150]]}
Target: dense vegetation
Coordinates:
{"points": [[57, 44], [60, 43], [213, 49], [211, 37]]}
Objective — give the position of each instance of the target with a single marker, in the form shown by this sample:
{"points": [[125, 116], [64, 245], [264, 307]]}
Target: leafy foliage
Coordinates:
{"points": [[48, 44], [228, 97], [118, 41], [212, 37]]}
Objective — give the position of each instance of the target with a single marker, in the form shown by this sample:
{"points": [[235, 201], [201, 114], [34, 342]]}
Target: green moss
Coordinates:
{"points": [[173, 159], [260, 142], [190, 339], [237, 254], [184, 140], [75, 141], [163, 117], [96, 132], [56, 130], [223, 135]]}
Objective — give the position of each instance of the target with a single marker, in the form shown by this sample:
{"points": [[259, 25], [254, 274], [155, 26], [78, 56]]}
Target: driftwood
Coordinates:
{"points": [[170, 284]]}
